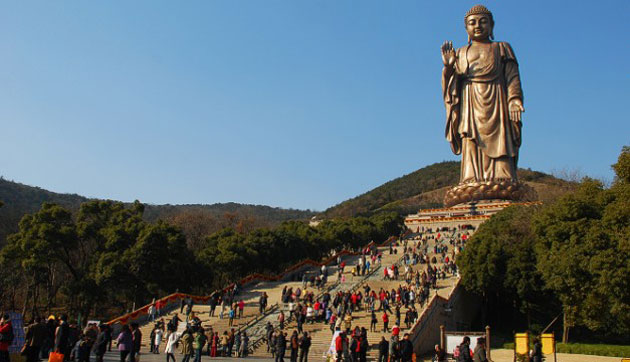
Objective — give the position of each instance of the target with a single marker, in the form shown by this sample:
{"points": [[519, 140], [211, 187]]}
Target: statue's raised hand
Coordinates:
{"points": [[448, 54], [515, 109]]}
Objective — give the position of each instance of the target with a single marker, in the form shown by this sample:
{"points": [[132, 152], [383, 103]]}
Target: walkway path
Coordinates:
{"points": [[507, 355]]}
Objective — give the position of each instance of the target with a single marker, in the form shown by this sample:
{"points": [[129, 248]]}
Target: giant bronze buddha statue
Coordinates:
{"points": [[484, 101]]}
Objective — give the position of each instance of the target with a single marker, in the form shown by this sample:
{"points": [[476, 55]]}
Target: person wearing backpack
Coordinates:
{"points": [[6, 337], [464, 351]]}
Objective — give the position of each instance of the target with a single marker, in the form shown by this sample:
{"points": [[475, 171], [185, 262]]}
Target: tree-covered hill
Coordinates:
{"points": [[419, 189], [429, 178], [19, 199], [426, 187]]}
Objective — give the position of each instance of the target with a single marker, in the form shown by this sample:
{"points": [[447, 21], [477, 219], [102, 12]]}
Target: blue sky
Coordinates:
{"points": [[287, 103]]}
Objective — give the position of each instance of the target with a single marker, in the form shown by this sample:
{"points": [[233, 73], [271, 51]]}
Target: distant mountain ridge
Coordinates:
{"points": [[19, 199], [406, 194]]}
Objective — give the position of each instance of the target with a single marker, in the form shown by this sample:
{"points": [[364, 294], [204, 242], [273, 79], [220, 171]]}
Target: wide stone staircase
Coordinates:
{"points": [[254, 323], [250, 295], [321, 334]]}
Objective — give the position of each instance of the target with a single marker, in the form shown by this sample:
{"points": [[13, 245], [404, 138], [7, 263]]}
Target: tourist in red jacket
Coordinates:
{"points": [[6, 337], [395, 330], [385, 321], [339, 345]]}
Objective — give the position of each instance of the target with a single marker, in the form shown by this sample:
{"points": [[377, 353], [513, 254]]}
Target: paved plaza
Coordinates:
{"points": [[114, 356], [498, 355]]}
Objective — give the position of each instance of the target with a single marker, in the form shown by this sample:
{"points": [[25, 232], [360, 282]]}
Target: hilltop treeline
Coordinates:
{"points": [[569, 257], [20, 200], [425, 179], [106, 257]]}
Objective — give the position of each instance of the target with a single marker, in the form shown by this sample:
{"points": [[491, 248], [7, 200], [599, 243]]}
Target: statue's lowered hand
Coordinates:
{"points": [[515, 109], [448, 54]]}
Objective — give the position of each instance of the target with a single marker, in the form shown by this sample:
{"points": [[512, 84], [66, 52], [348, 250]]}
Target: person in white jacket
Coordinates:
{"points": [[171, 345], [157, 340]]}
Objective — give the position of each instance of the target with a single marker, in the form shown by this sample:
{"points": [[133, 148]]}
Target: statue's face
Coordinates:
{"points": [[479, 27]]}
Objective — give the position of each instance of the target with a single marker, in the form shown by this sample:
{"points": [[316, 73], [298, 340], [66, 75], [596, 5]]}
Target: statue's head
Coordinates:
{"points": [[479, 23]]}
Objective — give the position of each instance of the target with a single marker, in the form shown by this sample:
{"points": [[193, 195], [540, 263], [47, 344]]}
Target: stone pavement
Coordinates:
{"points": [[114, 356], [506, 355], [498, 355]]}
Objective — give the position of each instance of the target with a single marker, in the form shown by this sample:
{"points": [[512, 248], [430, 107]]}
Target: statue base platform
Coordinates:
{"points": [[506, 190], [467, 215]]}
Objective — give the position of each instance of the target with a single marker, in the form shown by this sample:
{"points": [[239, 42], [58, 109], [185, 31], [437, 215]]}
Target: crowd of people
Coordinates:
{"points": [[56, 335], [417, 274], [196, 340], [336, 310], [278, 342]]}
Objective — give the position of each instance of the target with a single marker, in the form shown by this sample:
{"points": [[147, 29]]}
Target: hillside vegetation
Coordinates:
{"points": [[569, 256], [105, 258], [425, 188], [429, 178]]}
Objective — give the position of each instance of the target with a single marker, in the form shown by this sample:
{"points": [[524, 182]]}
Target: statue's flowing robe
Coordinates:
{"points": [[476, 95]]}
